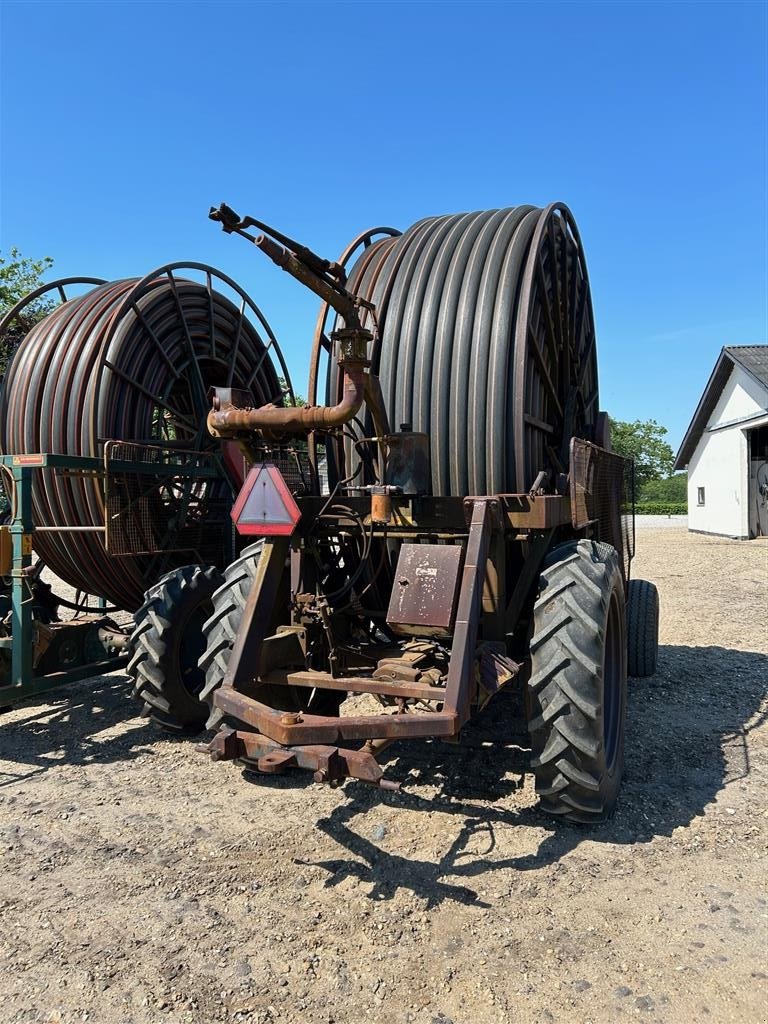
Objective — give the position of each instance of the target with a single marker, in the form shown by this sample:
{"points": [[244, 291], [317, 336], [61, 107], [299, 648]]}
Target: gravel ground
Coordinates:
{"points": [[140, 883], [661, 522]]}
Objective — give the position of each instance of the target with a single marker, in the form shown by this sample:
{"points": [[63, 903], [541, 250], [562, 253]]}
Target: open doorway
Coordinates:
{"points": [[757, 442]]}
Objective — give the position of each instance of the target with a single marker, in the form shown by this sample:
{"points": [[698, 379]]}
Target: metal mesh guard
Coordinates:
{"points": [[163, 500], [293, 463], [603, 496]]}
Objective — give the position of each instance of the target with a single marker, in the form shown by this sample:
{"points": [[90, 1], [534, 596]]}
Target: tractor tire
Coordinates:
{"points": [[221, 627], [578, 683], [220, 631], [642, 628], [166, 645]]}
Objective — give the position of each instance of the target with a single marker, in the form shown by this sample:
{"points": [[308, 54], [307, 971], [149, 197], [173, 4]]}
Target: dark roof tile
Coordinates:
{"points": [[753, 359]]}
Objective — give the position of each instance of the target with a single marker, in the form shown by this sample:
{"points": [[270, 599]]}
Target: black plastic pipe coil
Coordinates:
{"points": [[92, 371], [485, 340]]}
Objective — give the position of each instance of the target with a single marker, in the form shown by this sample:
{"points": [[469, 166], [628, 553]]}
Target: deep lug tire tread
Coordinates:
{"points": [[642, 628], [566, 687], [154, 666], [221, 628]]}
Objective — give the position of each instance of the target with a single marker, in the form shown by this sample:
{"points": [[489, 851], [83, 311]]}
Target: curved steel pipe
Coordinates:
{"points": [[227, 420]]}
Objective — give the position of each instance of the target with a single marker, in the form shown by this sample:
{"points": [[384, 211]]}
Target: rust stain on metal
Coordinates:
{"points": [[424, 592], [381, 507], [328, 763]]}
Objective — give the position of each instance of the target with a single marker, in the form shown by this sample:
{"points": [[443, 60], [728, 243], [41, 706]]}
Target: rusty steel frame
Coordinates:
{"points": [[276, 740], [327, 763], [498, 386]]}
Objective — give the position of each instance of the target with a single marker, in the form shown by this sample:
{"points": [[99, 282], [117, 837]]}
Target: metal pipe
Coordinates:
{"points": [[228, 420], [332, 293], [325, 280], [70, 529]]}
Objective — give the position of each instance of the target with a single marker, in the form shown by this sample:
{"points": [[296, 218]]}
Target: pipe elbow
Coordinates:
{"points": [[275, 421]]}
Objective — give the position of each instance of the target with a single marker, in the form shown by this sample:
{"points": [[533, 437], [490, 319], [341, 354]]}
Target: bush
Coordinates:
{"points": [[661, 508]]}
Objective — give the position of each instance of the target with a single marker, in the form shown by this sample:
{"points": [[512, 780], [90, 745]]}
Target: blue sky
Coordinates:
{"points": [[122, 123]]}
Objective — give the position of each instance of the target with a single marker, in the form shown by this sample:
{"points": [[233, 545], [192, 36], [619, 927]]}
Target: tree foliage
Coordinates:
{"points": [[643, 441], [19, 275], [674, 489], [661, 508], [298, 400]]}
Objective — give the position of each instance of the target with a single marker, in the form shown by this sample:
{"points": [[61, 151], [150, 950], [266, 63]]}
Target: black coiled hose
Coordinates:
{"points": [[485, 341], [131, 360]]}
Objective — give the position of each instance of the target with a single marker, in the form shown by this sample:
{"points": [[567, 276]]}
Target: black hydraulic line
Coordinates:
{"points": [[407, 409], [501, 455], [411, 245], [481, 366], [461, 439]]}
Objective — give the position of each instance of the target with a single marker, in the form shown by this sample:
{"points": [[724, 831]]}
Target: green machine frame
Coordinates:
{"points": [[24, 680]]}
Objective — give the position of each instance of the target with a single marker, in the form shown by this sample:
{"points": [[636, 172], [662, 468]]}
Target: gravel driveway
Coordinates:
{"points": [[661, 522], [140, 883]]}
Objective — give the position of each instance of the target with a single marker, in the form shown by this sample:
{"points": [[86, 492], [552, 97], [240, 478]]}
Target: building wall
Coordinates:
{"points": [[719, 464]]}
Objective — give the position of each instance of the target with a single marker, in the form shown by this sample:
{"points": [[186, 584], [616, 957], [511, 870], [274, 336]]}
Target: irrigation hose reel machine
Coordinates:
{"points": [[476, 533]]}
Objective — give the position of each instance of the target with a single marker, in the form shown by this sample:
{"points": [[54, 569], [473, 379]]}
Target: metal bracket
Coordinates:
{"points": [[493, 505]]}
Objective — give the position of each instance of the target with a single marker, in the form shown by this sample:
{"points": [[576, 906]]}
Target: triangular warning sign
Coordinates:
{"points": [[264, 505]]}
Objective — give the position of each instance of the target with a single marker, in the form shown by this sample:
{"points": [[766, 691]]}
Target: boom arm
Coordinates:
{"points": [[327, 280]]}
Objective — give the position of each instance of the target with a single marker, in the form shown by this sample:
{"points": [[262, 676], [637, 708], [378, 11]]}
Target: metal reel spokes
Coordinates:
{"points": [[179, 331], [555, 388], [133, 361]]}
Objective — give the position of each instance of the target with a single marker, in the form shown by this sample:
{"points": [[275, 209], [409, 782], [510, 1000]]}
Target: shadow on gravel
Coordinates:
{"points": [[687, 738], [68, 729]]}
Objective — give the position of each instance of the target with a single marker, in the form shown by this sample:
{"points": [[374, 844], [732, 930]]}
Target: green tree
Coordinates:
{"points": [[19, 276], [298, 400], [673, 489], [643, 441]]}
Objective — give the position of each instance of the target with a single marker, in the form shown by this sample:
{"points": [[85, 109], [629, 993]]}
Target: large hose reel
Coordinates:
{"points": [[129, 360], [485, 341]]}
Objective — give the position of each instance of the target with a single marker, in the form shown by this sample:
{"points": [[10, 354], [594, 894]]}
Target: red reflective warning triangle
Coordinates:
{"points": [[264, 505]]}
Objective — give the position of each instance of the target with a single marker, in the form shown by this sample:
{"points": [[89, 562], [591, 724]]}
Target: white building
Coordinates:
{"points": [[726, 447]]}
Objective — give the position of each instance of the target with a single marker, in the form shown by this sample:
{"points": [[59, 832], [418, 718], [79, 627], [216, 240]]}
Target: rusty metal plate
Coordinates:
{"points": [[540, 512], [425, 591]]}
